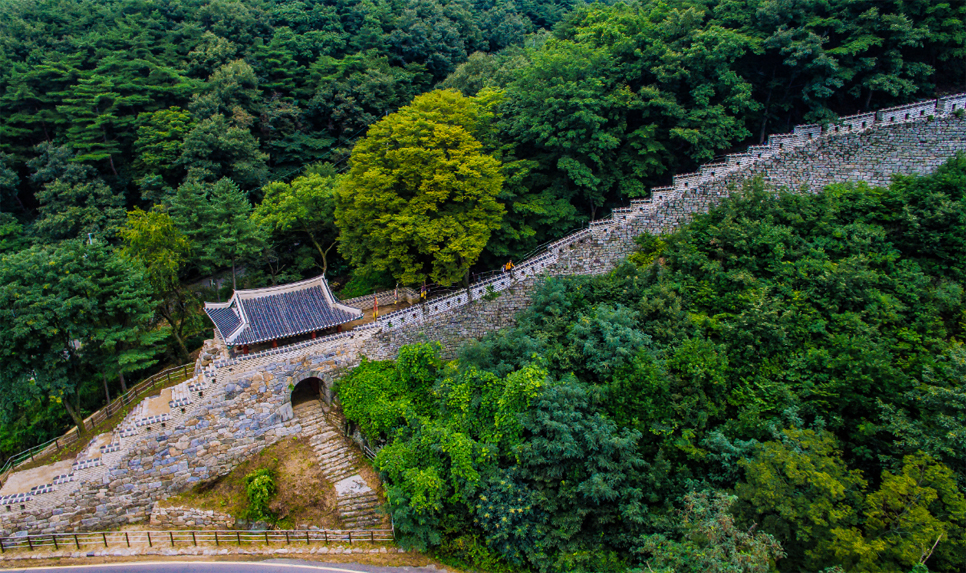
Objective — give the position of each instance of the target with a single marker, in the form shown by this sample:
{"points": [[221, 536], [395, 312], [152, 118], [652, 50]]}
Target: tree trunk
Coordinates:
{"points": [[318, 247], [75, 416], [234, 283], [107, 392], [166, 314], [764, 117], [120, 376], [325, 258], [110, 158]]}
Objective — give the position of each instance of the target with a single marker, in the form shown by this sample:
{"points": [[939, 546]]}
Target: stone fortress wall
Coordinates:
{"points": [[233, 408]]}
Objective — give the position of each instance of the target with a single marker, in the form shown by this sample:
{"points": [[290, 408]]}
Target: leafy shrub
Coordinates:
{"points": [[469, 552], [260, 487]]}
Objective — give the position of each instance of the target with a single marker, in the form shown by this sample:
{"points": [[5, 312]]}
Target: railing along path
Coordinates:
{"points": [[170, 375], [174, 538]]}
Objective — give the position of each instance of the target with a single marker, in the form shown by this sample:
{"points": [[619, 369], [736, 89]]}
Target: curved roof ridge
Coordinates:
{"points": [[279, 289], [257, 315]]}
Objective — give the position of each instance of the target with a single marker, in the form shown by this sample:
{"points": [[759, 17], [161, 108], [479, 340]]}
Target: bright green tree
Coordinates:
{"points": [[306, 204], [917, 513], [801, 490], [161, 136], [420, 200], [152, 239]]}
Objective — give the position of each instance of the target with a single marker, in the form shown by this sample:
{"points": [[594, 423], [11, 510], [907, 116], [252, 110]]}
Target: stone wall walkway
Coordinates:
{"points": [[359, 507]]}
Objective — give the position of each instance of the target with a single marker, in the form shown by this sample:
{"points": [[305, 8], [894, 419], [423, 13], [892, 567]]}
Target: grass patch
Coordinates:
{"points": [[304, 497]]}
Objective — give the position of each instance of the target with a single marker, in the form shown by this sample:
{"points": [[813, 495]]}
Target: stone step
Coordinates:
{"points": [[359, 498], [330, 448], [337, 467], [310, 413], [328, 455], [331, 470], [324, 432], [338, 461], [359, 513], [372, 505], [323, 450], [333, 452], [363, 499], [340, 475], [361, 523], [366, 516]]}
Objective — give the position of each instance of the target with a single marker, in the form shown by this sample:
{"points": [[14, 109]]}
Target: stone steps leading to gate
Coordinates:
{"points": [[358, 505]]}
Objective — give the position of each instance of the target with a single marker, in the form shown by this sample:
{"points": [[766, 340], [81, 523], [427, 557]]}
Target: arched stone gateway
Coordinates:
{"points": [[307, 390], [319, 379]]}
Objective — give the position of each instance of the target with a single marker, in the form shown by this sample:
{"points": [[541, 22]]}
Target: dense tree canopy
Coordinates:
{"points": [[801, 353], [777, 385], [420, 198], [68, 312]]}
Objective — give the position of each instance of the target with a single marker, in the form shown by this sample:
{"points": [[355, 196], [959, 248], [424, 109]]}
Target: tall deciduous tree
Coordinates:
{"points": [[73, 200], [74, 210], [160, 138], [420, 200], [91, 111], [306, 204], [152, 239], [63, 309], [218, 147]]}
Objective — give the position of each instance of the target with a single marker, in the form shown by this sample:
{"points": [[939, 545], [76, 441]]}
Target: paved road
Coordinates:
{"points": [[269, 566]]}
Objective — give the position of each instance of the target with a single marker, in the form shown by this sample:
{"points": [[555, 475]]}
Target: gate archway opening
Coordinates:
{"points": [[306, 390]]}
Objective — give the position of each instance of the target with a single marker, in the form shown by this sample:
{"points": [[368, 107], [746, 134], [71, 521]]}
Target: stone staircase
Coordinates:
{"points": [[357, 504]]}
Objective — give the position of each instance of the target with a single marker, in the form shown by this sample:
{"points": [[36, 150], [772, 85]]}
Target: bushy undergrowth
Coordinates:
{"points": [[260, 488], [778, 384]]}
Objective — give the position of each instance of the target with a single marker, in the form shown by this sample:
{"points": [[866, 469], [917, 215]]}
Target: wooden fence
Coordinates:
{"points": [[168, 376], [208, 537]]}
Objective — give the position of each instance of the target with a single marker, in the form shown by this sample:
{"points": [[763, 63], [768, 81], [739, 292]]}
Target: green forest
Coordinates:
{"points": [[778, 384], [154, 155]]}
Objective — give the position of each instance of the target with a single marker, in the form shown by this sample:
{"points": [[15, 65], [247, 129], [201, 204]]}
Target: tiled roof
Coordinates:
{"points": [[253, 316], [225, 319]]}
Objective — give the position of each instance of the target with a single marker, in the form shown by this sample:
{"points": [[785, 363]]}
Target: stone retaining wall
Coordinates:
{"points": [[190, 518], [236, 418]]}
